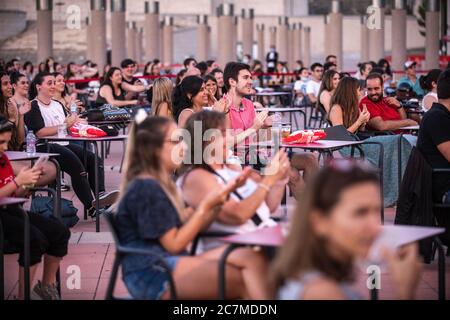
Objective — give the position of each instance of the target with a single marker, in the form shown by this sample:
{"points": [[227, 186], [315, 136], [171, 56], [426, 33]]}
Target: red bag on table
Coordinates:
{"points": [[86, 131], [304, 136]]}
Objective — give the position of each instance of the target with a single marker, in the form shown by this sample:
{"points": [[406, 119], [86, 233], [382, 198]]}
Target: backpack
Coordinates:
{"points": [[44, 205]]}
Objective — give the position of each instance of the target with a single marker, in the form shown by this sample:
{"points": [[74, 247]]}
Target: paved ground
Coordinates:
{"points": [[93, 253]]}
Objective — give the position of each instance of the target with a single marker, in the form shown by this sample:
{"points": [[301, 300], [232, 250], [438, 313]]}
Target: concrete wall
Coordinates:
{"points": [[11, 23], [266, 11]]}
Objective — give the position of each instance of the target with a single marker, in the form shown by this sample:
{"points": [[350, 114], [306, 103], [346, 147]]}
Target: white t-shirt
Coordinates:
{"points": [[53, 116], [313, 87], [300, 85]]}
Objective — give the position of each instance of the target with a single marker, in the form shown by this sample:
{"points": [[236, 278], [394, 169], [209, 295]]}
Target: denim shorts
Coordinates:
{"points": [[150, 284]]}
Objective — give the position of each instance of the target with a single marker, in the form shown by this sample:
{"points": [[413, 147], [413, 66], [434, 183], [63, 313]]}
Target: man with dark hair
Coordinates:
{"points": [[218, 75], [242, 114], [329, 66], [15, 64], [331, 58], [130, 83], [434, 138], [331, 62], [386, 113], [212, 64], [189, 63], [203, 67], [411, 78], [242, 118], [315, 80], [271, 59]]}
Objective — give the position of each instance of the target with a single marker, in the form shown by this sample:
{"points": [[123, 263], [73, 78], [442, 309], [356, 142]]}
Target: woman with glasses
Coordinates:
{"points": [[334, 228], [209, 166], [151, 215]]}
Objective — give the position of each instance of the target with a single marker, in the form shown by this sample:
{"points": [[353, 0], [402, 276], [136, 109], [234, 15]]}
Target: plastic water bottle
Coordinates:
{"points": [[276, 128], [31, 144], [73, 108]]}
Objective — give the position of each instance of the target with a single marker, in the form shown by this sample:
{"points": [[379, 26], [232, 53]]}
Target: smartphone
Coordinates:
{"points": [[40, 162]]}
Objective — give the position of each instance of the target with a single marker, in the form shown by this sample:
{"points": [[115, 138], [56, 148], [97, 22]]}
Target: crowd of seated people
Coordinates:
{"points": [[166, 201]]}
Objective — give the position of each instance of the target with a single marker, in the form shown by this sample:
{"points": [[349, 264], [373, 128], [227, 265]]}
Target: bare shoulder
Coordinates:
{"points": [[335, 109], [106, 89], [198, 177], [323, 289]]}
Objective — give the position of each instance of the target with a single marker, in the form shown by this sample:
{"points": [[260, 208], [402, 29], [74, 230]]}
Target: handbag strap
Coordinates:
{"points": [[255, 218]]}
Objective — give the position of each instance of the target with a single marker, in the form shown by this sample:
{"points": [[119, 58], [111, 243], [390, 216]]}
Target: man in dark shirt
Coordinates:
{"points": [[434, 138], [130, 83], [272, 59]]}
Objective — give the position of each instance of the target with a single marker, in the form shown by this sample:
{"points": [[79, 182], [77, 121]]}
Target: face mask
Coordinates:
{"points": [[245, 60]]}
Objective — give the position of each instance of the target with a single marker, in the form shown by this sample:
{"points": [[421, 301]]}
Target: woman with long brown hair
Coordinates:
{"points": [[334, 226], [344, 106], [12, 111], [329, 83]]}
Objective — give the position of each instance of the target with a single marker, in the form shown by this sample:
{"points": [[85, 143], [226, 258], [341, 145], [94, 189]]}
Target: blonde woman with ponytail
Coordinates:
{"points": [[151, 215]]}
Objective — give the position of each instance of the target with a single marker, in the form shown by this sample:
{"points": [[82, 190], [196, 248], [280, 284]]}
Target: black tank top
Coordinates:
{"points": [[101, 101]]}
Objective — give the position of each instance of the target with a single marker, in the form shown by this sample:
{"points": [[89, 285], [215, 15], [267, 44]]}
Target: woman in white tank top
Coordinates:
{"points": [[429, 84], [252, 205]]}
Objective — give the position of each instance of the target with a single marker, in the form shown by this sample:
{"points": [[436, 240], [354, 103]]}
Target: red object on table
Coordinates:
{"points": [[85, 130], [304, 136]]}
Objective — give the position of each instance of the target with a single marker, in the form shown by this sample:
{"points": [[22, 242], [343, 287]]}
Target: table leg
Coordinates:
{"points": [[102, 149], [374, 294], [96, 192], [441, 269], [26, 255], [85, 165], [222, 267], [123, 156], [108, 148], [2, 267], [399, 163], [58, 186]]}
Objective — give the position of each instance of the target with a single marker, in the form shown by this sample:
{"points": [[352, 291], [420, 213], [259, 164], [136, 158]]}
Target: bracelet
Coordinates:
{"points": [[15, 182], [264, 186]]}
